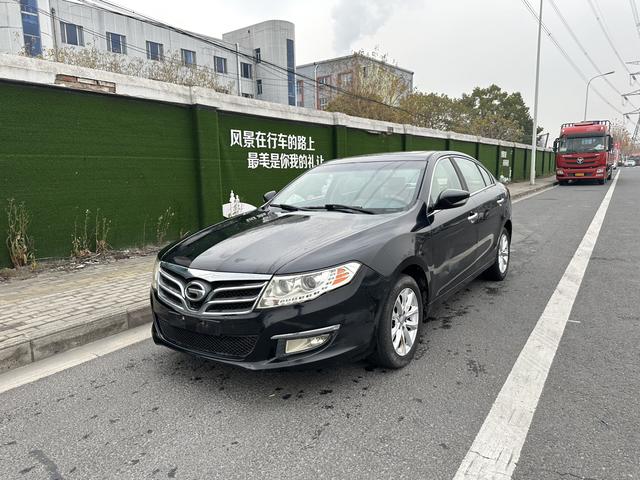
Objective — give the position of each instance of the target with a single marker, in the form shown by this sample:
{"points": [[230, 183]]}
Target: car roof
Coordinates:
{"points": [[424, 156]]}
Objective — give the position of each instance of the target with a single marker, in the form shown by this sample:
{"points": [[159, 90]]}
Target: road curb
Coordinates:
{"points": [[23, 351], [540, 188]]}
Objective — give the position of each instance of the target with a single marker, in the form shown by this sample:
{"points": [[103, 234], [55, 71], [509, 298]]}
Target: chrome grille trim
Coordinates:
{"points": [[172, 280]]}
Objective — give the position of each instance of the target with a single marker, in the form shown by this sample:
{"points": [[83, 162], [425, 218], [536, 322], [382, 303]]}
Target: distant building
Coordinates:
{"points": [[315, 79], [32, 26]]}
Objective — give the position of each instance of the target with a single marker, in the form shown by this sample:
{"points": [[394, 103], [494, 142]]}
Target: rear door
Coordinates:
{"points": [[452, 236], [487, 200]]}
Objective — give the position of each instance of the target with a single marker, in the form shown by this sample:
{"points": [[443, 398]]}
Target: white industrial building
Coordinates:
{"points": [[256, 61]]}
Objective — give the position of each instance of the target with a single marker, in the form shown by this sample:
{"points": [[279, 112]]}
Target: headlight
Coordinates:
{"points": [[156, 272], [289, 289]]}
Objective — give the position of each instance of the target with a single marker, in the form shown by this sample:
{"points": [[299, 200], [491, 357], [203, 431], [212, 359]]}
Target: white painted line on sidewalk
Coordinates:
{"points": [[71, 358], [496, 449]]}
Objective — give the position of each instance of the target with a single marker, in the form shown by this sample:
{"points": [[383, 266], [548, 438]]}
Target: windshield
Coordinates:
{"points": [[378, 187], [582, 144]]}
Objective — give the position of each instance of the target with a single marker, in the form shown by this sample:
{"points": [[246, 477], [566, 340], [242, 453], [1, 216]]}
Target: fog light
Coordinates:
{"points": [[559, 172], [298, 345]]}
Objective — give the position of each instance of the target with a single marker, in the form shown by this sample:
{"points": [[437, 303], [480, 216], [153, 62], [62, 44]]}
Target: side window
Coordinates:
{"points": [[444, 177], [471, 174], [486, 175]]}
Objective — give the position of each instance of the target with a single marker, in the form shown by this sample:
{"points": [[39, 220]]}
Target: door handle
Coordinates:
{"points": [[473, 217], [500, 201]]}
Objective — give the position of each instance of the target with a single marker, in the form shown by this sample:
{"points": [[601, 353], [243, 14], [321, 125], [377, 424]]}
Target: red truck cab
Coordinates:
{"points": [[584, 151]]}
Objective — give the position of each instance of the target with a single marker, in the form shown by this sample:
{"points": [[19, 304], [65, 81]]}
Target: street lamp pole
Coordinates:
{"points": [[586, 98], [534, 135]]}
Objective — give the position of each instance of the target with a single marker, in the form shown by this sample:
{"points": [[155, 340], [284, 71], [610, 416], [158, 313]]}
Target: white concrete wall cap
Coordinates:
{"points": [[42, 72]]}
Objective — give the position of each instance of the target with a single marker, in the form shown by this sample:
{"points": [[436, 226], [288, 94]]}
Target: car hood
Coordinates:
{"points": [[266, 241]]}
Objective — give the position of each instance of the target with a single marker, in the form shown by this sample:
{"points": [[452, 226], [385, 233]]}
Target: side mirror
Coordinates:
{"points": [[555, 145], [269, 195], [451, 198]]}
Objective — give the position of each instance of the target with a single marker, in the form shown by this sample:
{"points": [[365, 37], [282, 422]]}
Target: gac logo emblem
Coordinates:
{"points": [[580, 161]]}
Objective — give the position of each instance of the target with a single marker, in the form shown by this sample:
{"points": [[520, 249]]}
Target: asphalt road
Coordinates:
{"points": [[148, 412]]}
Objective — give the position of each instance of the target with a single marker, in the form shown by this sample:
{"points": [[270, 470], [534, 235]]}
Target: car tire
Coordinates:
{"points": [[500, 267], [399, 325]]}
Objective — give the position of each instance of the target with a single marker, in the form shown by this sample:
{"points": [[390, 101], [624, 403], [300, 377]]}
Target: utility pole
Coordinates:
{"points": [[534, 135]]}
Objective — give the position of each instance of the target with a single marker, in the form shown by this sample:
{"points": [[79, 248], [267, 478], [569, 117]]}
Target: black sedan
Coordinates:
{"points": [[344, 262]]}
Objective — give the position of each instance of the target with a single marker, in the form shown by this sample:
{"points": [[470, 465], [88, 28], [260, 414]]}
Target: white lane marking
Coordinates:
{"points": [[527, 197], [574, 321], [496, 449], [71, 358]]}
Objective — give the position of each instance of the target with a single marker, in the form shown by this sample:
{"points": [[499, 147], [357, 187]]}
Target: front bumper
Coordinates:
{"points": [[349, 314], [581, 174]]}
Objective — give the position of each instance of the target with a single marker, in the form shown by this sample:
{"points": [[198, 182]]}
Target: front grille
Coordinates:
{"points": [[226, 293], [232, 346]]}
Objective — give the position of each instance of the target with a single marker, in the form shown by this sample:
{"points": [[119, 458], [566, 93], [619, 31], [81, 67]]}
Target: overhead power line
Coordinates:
{"points": [[568, 58], [581, 46], [605, 31], [636, 15]]}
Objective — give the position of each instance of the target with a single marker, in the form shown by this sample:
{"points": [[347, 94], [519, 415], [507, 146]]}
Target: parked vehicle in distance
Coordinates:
{"points": [[585, 151], [629, 162], [341, 263]]}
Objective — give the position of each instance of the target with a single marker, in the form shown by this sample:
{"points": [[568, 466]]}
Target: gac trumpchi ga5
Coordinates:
{"points": [[342, 263]]}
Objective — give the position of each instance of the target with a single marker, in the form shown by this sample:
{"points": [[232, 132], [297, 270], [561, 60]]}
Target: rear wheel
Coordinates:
{"points": [[399, 329], [498, 271]]}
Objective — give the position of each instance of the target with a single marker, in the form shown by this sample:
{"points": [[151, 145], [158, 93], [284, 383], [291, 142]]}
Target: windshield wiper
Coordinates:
{"points": [[343, 208], [289, 208]]}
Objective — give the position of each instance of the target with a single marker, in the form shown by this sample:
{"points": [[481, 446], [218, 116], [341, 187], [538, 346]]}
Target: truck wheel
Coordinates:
{"points": [[610, 174]]}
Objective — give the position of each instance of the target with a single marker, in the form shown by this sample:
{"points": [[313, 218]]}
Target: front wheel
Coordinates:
{"points": [[498, 271], [400, 324]]}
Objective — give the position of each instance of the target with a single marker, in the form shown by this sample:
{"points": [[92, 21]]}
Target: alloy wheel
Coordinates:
{"points": [[503, 253], [404, 321]]}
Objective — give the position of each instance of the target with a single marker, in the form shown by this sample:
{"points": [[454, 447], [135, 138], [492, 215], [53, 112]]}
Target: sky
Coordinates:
{"points": [[454, 45]]}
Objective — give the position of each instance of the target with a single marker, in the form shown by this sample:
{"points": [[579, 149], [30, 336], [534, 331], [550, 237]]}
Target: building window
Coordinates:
{"points": [[324, 101], [116, 43], [220, 64], [31, 27], [301, 93], [72, 34], [259, 87], [345, 80], [188, 57], [291, 72], [246, 70], [326, 80], [257, 55], [155, 51], [247, 95]]}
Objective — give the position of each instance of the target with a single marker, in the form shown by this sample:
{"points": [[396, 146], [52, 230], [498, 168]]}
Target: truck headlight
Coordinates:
{"points": [[290, 289], [156, 272], [559, 172]]}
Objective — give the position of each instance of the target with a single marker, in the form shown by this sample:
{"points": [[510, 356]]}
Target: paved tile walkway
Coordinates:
{"points": [[57, 301]]}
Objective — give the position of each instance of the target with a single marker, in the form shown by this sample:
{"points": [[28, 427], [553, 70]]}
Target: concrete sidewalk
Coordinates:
{"points": [[520, 189], [56, 311]]}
